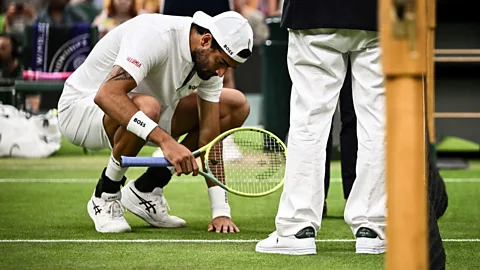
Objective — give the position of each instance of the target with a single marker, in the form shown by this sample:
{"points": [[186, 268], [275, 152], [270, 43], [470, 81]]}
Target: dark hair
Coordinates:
{"points": [[245, 53], [202, 31]]}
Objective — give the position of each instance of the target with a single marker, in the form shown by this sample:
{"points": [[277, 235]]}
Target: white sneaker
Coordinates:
{"points": [[150, 206], [107, 213], [303, 243], [369, 242]]}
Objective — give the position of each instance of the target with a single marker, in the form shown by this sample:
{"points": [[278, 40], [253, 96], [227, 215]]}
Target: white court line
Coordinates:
{"points": [[182, 240], [79, 180], [46, 180], [55, 167], [182, 180]]}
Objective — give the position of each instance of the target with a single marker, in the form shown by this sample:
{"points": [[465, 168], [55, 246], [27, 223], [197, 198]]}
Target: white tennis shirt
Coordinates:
{"points": [[155, 50]]}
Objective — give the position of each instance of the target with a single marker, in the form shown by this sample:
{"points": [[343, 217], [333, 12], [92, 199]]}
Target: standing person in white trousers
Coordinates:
{"points": [[322, 34]]}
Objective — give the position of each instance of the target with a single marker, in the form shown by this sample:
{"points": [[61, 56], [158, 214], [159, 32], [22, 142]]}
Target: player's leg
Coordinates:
{"points": [[437, 205], [365, 211], [144, 197], [317, 68], [348, 135], [328, 159], [234, 110], [436, 251], [85, 124], [123, 143], [149, 205], [179, 120], [437, 202]]}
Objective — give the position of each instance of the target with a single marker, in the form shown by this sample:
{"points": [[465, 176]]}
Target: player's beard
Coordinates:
{"points": [[200, 58]]}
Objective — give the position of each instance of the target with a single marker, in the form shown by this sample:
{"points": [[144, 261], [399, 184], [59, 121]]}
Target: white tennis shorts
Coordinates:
{"points": [[81, 120]]}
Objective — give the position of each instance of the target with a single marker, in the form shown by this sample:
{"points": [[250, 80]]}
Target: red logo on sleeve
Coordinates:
{"points": [[134, 61]]}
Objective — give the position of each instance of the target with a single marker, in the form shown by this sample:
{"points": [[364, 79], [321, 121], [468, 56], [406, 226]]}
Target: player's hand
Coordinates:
{"points": [[222, 224], [180, 157]]}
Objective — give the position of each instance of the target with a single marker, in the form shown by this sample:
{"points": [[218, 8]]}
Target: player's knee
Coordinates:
{"points": [[149, 106], [239, 106]]}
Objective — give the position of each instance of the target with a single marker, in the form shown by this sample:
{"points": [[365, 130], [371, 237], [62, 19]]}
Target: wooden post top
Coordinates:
{"points": [[403, 36]]}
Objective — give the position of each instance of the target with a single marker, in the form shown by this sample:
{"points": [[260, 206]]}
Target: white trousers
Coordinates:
{"points": [[317, 63]]}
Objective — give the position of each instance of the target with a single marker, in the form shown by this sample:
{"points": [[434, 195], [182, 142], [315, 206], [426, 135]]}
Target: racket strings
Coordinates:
{"points": [[248, 161]]}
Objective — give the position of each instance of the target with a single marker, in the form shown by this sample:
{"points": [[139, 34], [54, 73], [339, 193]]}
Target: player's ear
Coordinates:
{"points": [[206, 40]]}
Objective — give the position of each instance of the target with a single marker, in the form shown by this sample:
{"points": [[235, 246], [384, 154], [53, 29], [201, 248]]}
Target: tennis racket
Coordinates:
{"points": [[245, 161]]}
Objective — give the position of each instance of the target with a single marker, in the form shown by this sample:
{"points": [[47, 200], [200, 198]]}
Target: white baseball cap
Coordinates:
{"points": [[232, 32]]}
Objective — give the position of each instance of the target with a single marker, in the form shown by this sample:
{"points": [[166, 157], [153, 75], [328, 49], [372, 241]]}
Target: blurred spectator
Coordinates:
{"points": [[267, 7], [60, 12], [56, 13], [255, 18], [149, 6], [255, 4], [98, 4], [274, 7], [189, 7], [9, 57], [18, 15], [115, 13], [88, 7]]}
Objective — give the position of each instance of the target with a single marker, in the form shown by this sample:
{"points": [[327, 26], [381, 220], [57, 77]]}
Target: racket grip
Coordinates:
{"points": [[145, 162]]}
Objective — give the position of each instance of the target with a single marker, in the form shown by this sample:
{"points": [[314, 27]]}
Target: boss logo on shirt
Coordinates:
{"points": [[227, 49], [138, 121], [134, 61], [192, 87]]}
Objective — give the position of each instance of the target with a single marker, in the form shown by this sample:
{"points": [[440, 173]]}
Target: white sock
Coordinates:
{"points": [[114, 171]]}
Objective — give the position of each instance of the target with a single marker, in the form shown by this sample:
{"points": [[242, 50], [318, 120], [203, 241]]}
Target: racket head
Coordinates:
{"points": [[247, 161]]}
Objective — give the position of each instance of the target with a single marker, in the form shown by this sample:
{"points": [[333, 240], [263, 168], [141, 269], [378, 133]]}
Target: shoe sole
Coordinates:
{"points": [[288, 251], [137, 211], [361, 249], [97, 226]]}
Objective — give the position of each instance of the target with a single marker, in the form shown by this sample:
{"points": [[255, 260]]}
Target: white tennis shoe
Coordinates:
{"points": [[107, 213], [302, 243], [369, 242], [149, 206]]}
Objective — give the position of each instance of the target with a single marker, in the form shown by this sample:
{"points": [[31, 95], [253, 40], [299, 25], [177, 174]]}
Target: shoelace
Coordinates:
{"points": [[159, 199], [115, 209], [163, 202]]}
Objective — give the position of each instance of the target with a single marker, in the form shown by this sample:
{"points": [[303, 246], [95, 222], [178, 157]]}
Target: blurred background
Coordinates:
{"points": [[44, 40]]}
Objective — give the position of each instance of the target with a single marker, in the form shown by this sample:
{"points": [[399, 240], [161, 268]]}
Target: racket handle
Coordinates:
{"points": [[145, 162]]}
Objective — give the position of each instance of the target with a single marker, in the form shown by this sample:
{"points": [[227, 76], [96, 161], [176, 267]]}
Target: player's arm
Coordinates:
{"points": [[209, 120], [112, 98], [134, 61], [209, 114]]}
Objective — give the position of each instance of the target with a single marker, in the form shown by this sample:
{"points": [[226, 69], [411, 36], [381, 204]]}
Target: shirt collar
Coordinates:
{"points": [[185, 40]]}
